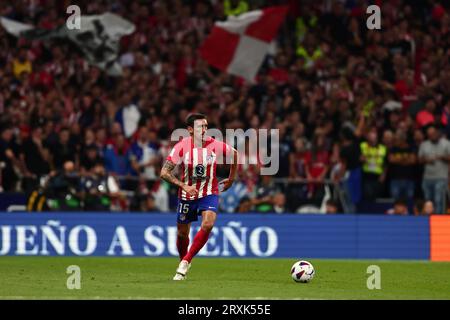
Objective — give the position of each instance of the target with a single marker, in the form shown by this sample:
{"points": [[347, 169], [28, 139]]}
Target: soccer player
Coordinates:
{"points": [[198, 190]]}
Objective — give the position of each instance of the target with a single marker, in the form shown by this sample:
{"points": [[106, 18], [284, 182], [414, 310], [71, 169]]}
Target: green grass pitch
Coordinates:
{"points": [[218, 278]]}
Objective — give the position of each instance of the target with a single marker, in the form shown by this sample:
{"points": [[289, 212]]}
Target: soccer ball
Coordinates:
{"points": [[302, 271]]}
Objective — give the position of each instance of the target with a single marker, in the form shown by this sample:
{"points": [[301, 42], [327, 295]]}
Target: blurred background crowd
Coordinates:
{"points": [[362, 114]]}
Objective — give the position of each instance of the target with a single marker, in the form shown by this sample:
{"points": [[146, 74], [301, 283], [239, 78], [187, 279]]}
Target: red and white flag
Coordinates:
{"points": [[239, 45]]}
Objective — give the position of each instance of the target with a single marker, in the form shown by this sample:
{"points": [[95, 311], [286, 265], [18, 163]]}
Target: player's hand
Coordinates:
{"points": [[190, 190], [227, 183]]}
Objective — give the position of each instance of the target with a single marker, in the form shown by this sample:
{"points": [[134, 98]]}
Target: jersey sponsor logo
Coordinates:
{"points": [[199, 171]]}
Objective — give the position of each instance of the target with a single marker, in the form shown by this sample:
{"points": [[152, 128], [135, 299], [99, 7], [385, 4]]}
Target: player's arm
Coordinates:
{"points": [[167, 175], [227, 183]]}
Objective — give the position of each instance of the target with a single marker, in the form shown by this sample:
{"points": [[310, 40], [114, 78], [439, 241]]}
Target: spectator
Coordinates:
{"points": [[160, 196], [268, 196], [245, 205], [63, 149], [423, 208], [249, 167], [88, 141], [115, 132], [317, 165], [9, 162], [309, 52], [418, 138], [418, 207], [373, 155], [149, 200], [426, 117], [144, 156], [400, 208], [349, 168], [63, 189], [86, 119], [428, 208], [235, 7], [36, 157], [297, 160], [331, 207], [100, 189], [434, 153], [89, 159], [100, 140], [128, 115], [22, 64], [116, 156], [401, 164], [279, 202]]}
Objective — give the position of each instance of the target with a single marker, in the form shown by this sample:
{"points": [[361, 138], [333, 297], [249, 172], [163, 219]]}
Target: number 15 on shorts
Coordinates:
{"points": [[183, 208]]}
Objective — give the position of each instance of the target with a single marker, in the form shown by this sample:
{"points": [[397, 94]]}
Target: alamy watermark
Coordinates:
{"points": [[74, 279], [74, 20], [262, 145], [374, 21], [374, 280]]}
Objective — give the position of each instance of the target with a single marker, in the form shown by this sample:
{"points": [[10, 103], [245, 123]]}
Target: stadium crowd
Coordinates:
{"points": [[367, 110]]}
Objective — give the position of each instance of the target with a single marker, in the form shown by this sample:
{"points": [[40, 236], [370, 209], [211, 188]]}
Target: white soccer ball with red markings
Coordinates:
{"points": [[302, 271]]}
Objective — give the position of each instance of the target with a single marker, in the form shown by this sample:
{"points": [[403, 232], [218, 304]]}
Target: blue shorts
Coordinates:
{"points": [[189, 210]]}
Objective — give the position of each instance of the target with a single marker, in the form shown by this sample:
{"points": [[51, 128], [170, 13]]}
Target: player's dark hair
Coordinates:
{"points": [[192, 117]]}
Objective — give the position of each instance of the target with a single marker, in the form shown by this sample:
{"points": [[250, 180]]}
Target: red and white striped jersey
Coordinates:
{"points": [[198, 164]]}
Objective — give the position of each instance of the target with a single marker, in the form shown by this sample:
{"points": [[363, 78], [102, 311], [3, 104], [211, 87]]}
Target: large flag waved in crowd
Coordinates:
{"points": [[98, 38], [239, 44]]}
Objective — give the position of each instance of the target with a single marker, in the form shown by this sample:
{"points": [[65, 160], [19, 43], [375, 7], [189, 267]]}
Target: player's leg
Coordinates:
{"points": [[187, 213], [183, 238], [182, 246], [200, 239], [207, 207]]}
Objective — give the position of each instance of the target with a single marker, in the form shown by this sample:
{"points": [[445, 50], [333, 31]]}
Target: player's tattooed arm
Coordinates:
{"points": [[167, 175]]}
